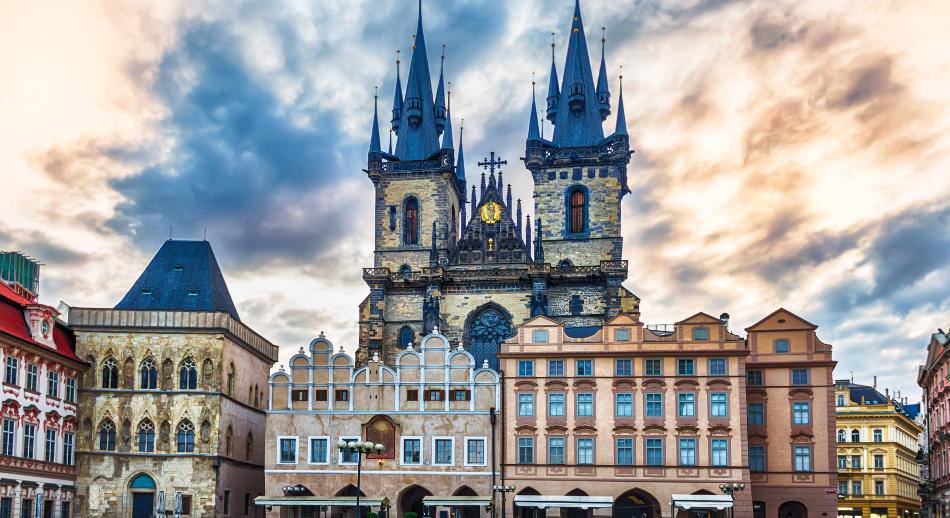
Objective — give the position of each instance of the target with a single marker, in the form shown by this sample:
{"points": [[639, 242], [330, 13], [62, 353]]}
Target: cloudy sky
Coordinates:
{"points": [[790, 154]]}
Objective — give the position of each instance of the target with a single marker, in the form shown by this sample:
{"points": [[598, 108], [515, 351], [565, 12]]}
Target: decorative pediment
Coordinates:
{"points": [[800, 393], [555, 429], [758, 438], [718, 382], [625, 428], [491, 234], [656, 428], [700, 318], [526, 385], [624, 384], [584, 384], [654, 383], [762, 394], [555, 385], [584, 429], [686, 383], [41, 320], [802, 437], [526, 429], [782, 320], [687, 429], [719, 430]]}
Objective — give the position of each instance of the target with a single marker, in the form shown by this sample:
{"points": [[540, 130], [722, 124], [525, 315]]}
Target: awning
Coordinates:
{"points": [[456, 501], [314, 501], [717, 502], [575, 502]]}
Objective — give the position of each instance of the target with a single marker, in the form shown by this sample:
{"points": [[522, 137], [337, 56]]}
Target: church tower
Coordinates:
{"points": [[418, 194], [579, 175]]}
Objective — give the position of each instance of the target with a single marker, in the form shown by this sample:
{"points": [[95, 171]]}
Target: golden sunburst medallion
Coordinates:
{"points": [[491, 212]]}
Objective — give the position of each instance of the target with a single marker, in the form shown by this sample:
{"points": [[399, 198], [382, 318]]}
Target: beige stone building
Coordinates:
{"points": [[623, 417], [430, 410], [173, 407]]}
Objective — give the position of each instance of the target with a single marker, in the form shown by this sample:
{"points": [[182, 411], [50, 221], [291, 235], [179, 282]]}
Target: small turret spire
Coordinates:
{"points": [[440, 105], [508, 197], [501, 182], [533, 132], [433, 252], [527, 234], [621, 117], [473, 199], [554, 93], [397, 100], [447, 136], [538, 250], [603, 87], [460, 160], [518, 217], [483, 184], [374, 146]]}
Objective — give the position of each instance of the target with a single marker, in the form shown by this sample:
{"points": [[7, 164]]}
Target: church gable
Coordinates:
{"points": [[491, 234], [782, 320]]}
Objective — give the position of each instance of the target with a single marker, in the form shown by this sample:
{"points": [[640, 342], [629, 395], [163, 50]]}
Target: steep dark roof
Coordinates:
{"points": [[581, 331], [183, 275], [912, 411], [870, 394]]}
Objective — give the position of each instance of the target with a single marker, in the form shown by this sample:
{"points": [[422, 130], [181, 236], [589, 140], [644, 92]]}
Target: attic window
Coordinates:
{"points": [[781, 321], [177, 268], [146, 291], [192, 293]]}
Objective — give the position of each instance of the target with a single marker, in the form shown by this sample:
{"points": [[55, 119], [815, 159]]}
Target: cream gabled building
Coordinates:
{"points": [[877, 440], [430, 409]]}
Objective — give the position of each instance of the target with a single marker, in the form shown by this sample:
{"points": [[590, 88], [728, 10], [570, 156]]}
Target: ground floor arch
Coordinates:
{"points": [[636, 503], [142, 489], [411, 501], [572, 512], [526, 512], [466, 511], [348, 512], [792, 509]]}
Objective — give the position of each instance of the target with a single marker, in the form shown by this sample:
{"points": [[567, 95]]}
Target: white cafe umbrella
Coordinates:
{"points": [[160, 509]]}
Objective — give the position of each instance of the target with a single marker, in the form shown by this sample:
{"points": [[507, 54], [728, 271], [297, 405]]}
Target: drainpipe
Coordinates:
{"points": [[493, 418]]}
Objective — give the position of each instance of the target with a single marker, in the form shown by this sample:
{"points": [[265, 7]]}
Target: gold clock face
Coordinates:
{"points": [[491, 212]]}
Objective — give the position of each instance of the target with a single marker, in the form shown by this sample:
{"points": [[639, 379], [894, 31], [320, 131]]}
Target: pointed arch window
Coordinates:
{"points": [[186, 437], [107, 436], [145, 435], [228, 441], [149, 374], [229, 387], [188, 375], [576, 210], [405, 337], [110, 373], [411, 221], [249, 446]]}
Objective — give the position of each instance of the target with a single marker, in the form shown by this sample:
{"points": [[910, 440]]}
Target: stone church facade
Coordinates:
{"points": [[465, 260]]}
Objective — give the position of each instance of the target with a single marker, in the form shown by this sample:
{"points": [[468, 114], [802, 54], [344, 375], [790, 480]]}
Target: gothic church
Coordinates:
{"points": [[468, 261]]}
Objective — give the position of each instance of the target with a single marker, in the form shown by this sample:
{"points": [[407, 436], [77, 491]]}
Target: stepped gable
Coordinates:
{"points": [[485, 242]]}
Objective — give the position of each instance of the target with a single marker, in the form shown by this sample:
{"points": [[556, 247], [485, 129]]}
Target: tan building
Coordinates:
{"points": [[791, 415], [430, 410], [38, 424], [173, 408], [878, 474], [623, 417]]}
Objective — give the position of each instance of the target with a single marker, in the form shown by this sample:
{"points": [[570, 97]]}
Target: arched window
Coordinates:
{"points": [[406, 271], [842, 436], [229, 387], [700, 333], [405, 337], [228, 441], [488, 328], [142, 481], [107, 436], [149, 374], [188, 375], [110, 373], [855, 436], [578, 208], [410, 223], [186, 436], [249, 446], [146, 436], [565, 264]]}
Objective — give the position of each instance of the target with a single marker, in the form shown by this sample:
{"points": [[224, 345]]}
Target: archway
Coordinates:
{"points": [[348, 512], [528, 512], [485, 329], [792, 509], [708, 513], [469, 511], [411, 501], [636, 503], [142, 488], [573, 512]]}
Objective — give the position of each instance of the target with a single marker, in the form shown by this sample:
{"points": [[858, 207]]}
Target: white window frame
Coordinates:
{"points": [[296, 439], [484, 451], [402, 449], [310, 439], [339, 456], [435, 451]]}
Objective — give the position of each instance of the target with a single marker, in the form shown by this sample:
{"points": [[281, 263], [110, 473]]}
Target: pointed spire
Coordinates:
{"points": [[374, 146], [491, 181], [390, 141], [518, 217], [447, 136], [418, 137], [554, 92], [603, 88], [621, 117], [440, 105], [538, 250], [460, 160], [483, 184], [508, 198], [473, 198], [501, 183], [527, 235], [578, 116], [533, 132], [397, 100]]}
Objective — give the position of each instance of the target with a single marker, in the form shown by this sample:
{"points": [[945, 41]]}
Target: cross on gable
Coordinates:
{"points": [[492, 163]]}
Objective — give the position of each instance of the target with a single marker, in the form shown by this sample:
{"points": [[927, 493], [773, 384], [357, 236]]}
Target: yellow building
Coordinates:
{"points": [[877, 446]]}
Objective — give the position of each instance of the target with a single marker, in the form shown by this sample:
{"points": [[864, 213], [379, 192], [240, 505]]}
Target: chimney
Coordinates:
{"points": [[887, 393], [725, 320], [875, 381]]}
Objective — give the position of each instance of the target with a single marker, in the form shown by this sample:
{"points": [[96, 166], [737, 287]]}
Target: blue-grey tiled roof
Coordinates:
{"points": [[581, 331], [870, 395], [184, 276], [912, 411]]}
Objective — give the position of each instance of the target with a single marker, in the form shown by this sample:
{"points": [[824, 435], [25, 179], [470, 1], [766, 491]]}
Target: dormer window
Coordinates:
{"points": [[44, 328], [146, 291], [192, 293], [701, 333], [178, 268]]}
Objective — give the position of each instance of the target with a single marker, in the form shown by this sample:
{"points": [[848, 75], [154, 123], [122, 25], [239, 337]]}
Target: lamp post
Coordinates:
{"points": [[504, 490], [359, 448], [730, 488]]}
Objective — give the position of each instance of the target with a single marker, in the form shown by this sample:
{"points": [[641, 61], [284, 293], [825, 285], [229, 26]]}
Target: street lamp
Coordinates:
{"points": [[359, 448], [504, 489], [729, 488]]}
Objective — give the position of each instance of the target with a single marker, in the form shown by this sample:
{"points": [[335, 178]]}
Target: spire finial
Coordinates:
{"points": [[442, 56], [448, 92], [413, 42], [553, 44], [374, 137], [603, 41]]}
